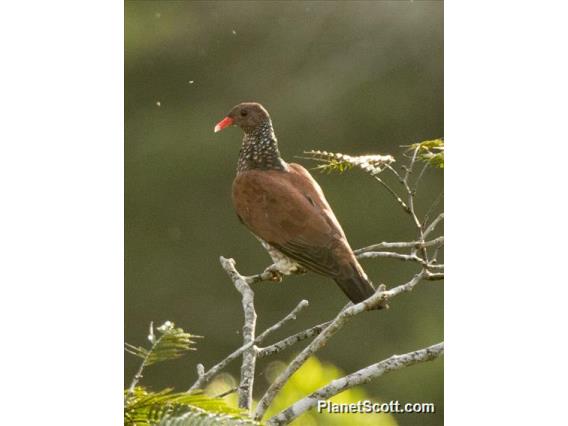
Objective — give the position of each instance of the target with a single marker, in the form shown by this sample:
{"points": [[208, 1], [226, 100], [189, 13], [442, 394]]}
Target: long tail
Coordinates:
{"points": [[355, 284]]}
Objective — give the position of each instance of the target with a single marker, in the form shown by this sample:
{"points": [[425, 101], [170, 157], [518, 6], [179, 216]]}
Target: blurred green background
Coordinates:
{"points": [[351, 77]]}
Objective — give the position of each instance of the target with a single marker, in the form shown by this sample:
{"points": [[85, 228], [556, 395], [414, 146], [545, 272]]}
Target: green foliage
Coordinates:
{"points": [[337, 162], [195, 418], [431, 152], [171, 343], [165, 408], [310, 377]]}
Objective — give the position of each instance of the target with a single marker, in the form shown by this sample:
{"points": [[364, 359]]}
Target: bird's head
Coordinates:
{"points": [[246, 115]]}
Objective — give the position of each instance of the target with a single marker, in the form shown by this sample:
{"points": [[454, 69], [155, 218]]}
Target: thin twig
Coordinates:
{"points": [[291, 316], [432, 207], [394, 194], [138, 376], [435, 266], [408, 170], [397, 174], [291, 340], [393, 255], [433, 225], [411, 193], [434, 276], [365, 375], [228, 392], [410, 203], [435, 255], [400, 245], [403, 257], [419, 178]]}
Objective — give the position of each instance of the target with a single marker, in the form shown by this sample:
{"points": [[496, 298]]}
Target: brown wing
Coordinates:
{"points": [[289, 211]]}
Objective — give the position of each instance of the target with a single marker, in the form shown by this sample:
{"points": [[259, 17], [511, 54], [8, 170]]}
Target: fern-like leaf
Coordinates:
{"points": [[431, 151], [171, 343], [166, 408], [330, 162], [203, 418]]}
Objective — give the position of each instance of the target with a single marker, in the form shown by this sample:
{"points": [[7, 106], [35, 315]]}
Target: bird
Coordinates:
{"points": [[286, 209]]}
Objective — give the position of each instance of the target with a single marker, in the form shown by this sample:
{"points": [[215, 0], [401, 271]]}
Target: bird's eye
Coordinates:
{"points": [[244, 112]]}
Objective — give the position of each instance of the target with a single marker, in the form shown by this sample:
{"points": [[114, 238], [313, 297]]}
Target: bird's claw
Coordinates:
{"points": [[274, 274]]}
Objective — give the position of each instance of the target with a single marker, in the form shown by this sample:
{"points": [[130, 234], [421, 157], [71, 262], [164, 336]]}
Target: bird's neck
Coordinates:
{"points": [[259, 150]]}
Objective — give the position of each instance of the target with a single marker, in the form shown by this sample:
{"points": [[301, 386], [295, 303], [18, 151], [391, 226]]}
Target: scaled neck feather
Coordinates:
{"points": [[259, 149]]}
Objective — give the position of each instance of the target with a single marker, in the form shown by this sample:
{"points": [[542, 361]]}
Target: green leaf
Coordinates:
{"points": [[165, 408], [171, 343], [431, 151], [203, 418]]}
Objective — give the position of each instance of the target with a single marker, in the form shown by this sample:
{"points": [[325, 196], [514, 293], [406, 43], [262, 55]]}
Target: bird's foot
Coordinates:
{"points": [[275, 273], [272, 273]]}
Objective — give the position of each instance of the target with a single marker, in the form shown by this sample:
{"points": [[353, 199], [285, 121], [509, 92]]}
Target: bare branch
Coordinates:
{"points": [[410, 203], [435, 266], [359, 377], [403, 257], [408, 170], [291, 316], [432, 207], [400, 245], [433, 225], [419, 178], [434, 276], [200, 370], [403, 288], [249, 328], [410, 193], [373, 302], [137, 377], [204, 378], [394, 194], [291, 340], [435, 255], [226, 393], [392, 255]]}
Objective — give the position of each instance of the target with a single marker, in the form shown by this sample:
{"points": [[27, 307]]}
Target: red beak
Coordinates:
{"points": [[225, 122]]}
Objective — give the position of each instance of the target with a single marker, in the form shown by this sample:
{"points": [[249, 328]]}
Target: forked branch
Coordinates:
{"points": [[205, 377], [373, 302]]}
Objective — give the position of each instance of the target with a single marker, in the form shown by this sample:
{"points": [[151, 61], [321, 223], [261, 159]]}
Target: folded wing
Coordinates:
{"points": [[288, 210]]}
